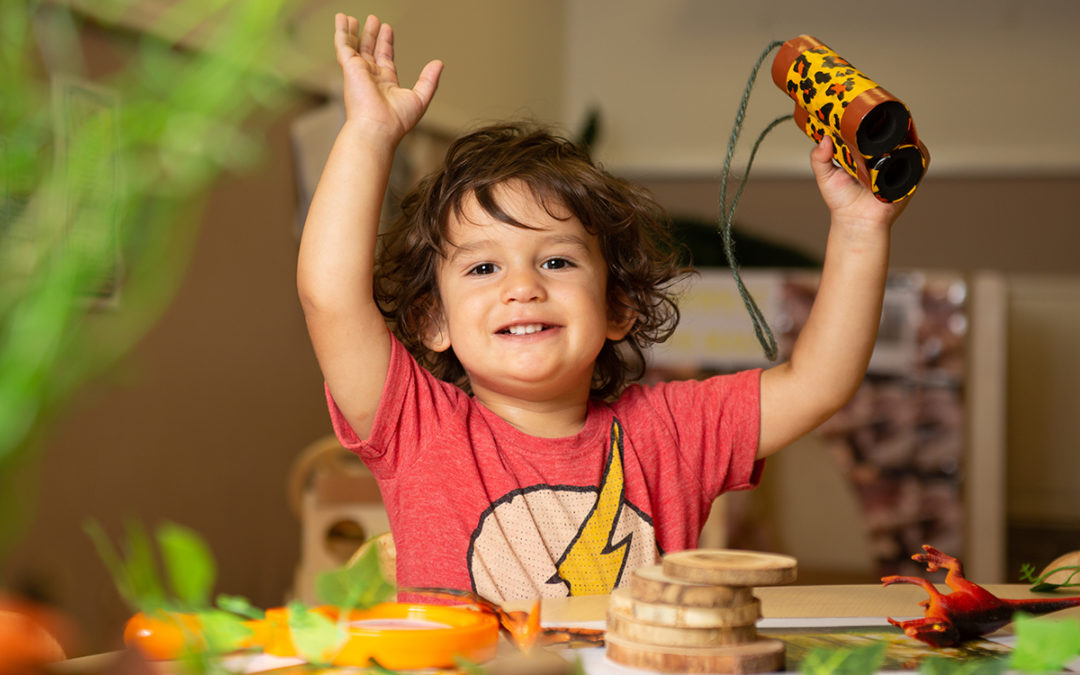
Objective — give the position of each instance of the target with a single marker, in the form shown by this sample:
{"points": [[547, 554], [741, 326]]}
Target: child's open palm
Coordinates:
{"points": [[372, 92]]}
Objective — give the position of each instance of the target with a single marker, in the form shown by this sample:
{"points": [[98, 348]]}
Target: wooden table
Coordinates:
{"points": [[777, 602], [784, 607], [897, 601]]}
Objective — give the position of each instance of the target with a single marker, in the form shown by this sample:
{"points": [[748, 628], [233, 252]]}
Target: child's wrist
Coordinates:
{"points": [[372, 136], [863, 233]]}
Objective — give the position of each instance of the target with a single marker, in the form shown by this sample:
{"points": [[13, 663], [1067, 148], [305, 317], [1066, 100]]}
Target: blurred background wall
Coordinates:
{"points": [[200, 423]]}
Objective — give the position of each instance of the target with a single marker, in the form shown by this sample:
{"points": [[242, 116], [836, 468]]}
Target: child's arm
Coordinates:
{"points": [[830, 356], [334, 271]]}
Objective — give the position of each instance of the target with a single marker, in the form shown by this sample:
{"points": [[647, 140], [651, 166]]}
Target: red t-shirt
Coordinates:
{"points": [[474, 503]]}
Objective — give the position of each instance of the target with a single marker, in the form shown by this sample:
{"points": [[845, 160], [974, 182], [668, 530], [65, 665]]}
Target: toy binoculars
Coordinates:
{"points": [[872, 132]]}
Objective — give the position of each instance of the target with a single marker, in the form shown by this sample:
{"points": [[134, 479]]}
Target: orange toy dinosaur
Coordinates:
{"points": [[970, 611]]}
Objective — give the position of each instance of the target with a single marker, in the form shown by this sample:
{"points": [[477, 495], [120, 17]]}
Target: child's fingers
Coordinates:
{"points": [[821, 158], [823, 166], [345, 38], [384, 47], [428, 82], [841, 191], [369, 35]]}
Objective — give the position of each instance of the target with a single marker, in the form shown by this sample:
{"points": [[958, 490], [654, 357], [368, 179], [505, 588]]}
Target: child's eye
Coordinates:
{"points": [[482, 268], [556, 264]]}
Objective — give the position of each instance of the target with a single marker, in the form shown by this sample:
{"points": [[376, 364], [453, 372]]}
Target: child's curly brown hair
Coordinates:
{"points": [[632, 229]]}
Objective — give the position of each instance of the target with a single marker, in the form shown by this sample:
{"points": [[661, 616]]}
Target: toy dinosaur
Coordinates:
{"points": [[969, 611]]}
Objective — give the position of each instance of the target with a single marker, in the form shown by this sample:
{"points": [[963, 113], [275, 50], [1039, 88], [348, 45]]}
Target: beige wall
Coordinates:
{"points": [[981, 77], [1043, 464], [504, 58]]}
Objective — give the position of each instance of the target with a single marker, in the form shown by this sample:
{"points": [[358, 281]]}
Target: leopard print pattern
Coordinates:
{"points": [[823, 83], [872, 133]]}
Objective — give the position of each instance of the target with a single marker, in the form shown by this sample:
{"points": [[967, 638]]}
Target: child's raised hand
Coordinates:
{"points": [[372, 92], [847, 198]]}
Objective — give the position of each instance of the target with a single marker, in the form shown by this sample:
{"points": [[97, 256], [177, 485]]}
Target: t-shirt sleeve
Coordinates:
{"points": [[412, 400], [712, 426]]}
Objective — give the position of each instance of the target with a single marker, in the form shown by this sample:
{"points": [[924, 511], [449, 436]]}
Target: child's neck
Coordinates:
{"points": [[543, 419]]}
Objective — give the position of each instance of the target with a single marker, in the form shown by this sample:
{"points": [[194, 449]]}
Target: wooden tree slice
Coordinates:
{"points": [[725, 567], [650, 584], [759, 656], [1062, 576], [624, 624], [686, 617]]}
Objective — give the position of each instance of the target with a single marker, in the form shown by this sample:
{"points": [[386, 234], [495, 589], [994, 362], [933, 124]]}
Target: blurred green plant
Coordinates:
{"points": [[100, 185], [1043, 645], [851, 661], [176, 578]]}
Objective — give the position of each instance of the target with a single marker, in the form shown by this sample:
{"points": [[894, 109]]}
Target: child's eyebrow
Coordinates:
{"points": [[571, 239], [461, 250], [471, 247]]}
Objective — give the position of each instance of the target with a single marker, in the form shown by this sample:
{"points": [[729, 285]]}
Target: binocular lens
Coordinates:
{"points": [[883, 128], [898, 173]]}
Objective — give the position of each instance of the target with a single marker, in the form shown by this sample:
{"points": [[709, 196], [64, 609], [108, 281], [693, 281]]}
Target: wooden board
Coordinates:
{"points": [[650, 584], [623, 623], [726, 567], [754, 657], [686, 617]]}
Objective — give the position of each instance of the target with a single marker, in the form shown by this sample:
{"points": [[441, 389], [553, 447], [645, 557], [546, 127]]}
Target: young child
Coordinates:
{"points": [[528, 280]]}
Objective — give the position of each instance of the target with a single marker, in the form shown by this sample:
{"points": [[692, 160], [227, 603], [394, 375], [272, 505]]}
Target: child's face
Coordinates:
{"points": [[525, 310]]}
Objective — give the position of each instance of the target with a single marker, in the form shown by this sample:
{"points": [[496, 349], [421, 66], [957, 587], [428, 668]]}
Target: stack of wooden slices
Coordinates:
{"points": [[696, 613]]}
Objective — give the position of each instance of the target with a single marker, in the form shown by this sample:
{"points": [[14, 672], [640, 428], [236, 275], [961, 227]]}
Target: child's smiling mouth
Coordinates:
{"points": [[524, 329]]}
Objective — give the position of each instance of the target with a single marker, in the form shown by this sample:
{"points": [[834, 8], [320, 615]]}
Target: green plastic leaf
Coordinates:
{"points": [[239, 605], [379, 669], [1027, 572], [194, 662], [113, 562], [940, 665], [189, 564], [469, 667], [855, 661], [142, 570], [1044, 645], [223, 631], [315, 636], [360, 585]]}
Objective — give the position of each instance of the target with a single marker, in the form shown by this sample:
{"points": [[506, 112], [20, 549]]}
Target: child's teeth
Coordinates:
{"points": [[525, 330]]}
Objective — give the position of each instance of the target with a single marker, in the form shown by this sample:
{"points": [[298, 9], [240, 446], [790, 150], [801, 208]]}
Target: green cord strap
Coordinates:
{"points": [[727, 213]]}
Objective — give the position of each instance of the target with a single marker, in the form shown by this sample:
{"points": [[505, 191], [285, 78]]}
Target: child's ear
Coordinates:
{"points": [[620, 320], [617, 330], [436, 331]]}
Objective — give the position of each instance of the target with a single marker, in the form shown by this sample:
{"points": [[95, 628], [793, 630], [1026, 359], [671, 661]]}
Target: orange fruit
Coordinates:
{"points": [[25, 641], [162, 635]]}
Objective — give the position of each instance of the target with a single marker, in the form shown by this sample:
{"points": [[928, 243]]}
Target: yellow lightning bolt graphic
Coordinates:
{"points": [[592, 563]]}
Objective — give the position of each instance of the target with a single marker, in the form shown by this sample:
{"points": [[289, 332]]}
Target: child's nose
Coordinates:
{"points": [[523, 285]]}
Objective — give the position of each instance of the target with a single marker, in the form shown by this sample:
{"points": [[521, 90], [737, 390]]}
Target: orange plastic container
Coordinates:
{"points": [[399, 635]]}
